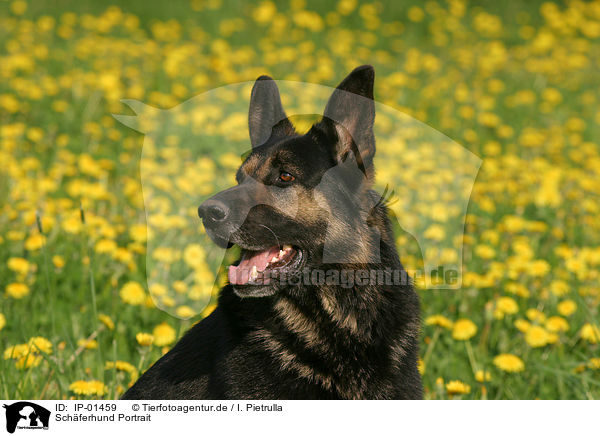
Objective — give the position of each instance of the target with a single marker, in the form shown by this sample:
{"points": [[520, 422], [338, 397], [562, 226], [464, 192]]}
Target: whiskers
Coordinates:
{"points": [[387, 198]]}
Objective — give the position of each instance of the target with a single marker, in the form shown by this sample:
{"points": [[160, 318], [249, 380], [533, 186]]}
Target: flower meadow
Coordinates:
{"points": [[514, 83]]}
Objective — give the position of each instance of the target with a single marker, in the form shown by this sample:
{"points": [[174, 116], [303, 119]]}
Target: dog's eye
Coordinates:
{"points": [[286, 177]]}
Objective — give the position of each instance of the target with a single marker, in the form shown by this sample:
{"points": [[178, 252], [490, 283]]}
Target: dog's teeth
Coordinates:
{"points": [[281, 253], [287, 247], [275, 259], [254, 273]]}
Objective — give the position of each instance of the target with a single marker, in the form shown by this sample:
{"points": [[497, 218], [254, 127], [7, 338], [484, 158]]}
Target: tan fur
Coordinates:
{"points": [[288, 360], [345, 321], [400, 345], [298, 323]]}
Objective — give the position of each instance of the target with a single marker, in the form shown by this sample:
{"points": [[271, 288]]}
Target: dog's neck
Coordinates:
{"points": [[307, 328]]}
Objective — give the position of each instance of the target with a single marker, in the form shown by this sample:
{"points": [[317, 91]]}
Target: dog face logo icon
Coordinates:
{"points": [[26, 415]]}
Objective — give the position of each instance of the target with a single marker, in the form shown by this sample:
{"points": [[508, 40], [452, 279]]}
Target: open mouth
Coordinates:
{"points": [[258, 267]]}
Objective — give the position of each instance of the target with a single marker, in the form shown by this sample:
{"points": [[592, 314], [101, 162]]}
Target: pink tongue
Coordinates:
{"points": [[240, 275]]}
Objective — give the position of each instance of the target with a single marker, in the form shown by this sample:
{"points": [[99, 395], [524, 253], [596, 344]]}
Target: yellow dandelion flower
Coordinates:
{"points": [[193, 255], [557, 324], [30, 361], [513, 223], [590, 333], [435, 232], [17, 290], [16, 351], [88, 388], [507, 305], [180, 287], [72, 225], [158, 290], [576, 265], [123, 255], [421, 366], [535, 315], [538, 268], [536, 336], [125, 366], [559, 288], [133, 293], [439, 320], [594, 363], [464, 329], [144, 339], [415, 14], [264, 12], [40, 344], [18, 7], [185, 312], [198, 292], [567, 307], [165, 254], [18, 265], [149, 302], [167, 301], [522, 325], [485, 252], [34, 242], [58, 261], [163, 334], [345, 7], [107, 321], [136, 247], [121, 365], [509, 363], [90, 344], [518, 289], [209, 309], [482, 376], [456, 387], [15, 235], [2, 321], [138, 232], [107, 246]]}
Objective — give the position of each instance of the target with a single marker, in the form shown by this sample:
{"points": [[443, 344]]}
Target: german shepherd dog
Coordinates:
{"points": [[275, 335]]}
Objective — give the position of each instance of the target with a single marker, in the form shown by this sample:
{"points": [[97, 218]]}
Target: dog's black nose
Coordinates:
{"points": [[213, 210]]}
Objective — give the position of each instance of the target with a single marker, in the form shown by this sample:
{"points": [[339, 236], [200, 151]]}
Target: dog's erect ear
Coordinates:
{"points": [[266, 116], [350, 112]]}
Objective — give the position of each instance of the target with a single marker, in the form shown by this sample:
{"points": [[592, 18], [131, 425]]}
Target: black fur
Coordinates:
{"points": [[304, 340]]}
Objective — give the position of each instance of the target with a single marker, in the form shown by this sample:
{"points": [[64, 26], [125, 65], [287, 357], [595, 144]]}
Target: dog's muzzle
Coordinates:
{"points": [[215, 215]]}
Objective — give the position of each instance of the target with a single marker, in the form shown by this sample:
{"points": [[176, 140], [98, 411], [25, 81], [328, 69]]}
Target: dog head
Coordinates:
{"points": [[298, 195]]}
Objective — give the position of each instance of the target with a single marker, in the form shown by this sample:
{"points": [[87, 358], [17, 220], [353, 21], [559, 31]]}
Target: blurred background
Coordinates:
{"points": [[514, 82]]}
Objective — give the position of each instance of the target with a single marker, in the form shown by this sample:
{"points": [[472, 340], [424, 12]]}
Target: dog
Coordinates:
{"points": [[303, 204]]}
